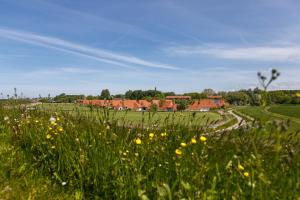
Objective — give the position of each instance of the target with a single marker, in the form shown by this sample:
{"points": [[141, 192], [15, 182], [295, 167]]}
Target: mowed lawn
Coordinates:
{"points": [[158, 118], [287, 110]]}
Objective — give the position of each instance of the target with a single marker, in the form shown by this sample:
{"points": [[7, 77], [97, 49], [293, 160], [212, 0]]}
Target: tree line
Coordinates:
{"points": [[241, 97]]}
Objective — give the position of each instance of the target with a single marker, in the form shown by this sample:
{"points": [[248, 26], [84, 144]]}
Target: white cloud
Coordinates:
{"points": [[87, 51], [260, 53]]}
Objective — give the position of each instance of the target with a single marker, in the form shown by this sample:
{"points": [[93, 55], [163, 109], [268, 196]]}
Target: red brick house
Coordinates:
{"points": [[213, 102]]}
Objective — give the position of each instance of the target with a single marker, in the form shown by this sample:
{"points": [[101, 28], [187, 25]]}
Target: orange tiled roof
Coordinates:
{"points": [[131, 104], [206, 103]]}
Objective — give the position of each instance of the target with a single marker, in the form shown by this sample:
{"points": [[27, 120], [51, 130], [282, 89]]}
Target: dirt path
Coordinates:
{"points": [[240, 122]]}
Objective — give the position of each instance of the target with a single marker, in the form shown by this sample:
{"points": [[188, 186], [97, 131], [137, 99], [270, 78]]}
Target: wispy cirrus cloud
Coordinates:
{"points": [[79, 49], [260, 53]]}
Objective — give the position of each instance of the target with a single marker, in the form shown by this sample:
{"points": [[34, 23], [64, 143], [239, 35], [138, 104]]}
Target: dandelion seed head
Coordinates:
{"points": [[52, 119]]}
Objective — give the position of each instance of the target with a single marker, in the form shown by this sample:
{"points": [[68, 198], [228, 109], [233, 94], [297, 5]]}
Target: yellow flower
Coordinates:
{"points": [[36, 121], [60, 129], [53, 147], [298, 94], [50, 128], [55, 133], [151, 135], [183, 144], [203, 139], [48, 136], [53, 123], [58, 119], [138, 141], [193, 141], [163, 134], [240, 167], [178, 152], [246, 174]]}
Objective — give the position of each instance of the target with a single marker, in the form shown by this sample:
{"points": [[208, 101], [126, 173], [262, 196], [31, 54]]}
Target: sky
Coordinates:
{"points": [[82, 47]]}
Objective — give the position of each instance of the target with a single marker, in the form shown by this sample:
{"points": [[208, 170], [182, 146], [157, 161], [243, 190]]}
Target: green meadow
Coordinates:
{"points": [[54, 154], [138, 118]]}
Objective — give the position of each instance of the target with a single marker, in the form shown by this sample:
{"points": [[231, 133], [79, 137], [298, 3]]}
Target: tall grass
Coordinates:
{"points": [[81, 157]]}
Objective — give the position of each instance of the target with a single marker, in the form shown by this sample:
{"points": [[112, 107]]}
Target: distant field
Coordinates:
{"points": [[287, 110], [264, 116], [255, 112], [199, 118]]}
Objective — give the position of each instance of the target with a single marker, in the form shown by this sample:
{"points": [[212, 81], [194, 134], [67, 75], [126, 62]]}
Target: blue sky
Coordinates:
{"points": [[81, 47]]}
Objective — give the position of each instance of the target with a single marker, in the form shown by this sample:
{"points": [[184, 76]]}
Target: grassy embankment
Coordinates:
{"points": [[270, 118]]}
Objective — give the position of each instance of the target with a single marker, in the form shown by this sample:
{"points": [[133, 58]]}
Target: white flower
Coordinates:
{"points": [[52, 119], [64, 183], [6, 118]]}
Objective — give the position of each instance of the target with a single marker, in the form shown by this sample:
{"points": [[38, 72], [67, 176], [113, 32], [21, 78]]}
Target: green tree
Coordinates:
{"points": [[182, 104], [105, 94]]}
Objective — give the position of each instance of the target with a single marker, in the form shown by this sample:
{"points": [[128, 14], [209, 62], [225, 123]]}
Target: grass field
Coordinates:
{"points": [[264, 116], [57, 155], [287, 110], [148, 118]]}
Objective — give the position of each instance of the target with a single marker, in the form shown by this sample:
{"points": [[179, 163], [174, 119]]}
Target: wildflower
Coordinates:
{"points": [[193, 141], [151, 135], [53, 147], [178, 152], [246, 174], [6, 118], [55, 133], [240, 167], [50, 128], [52, 119], [177, 164], [138, 141], [77, 139], [203, 139], [36, 121], [53, 123], [48, 136], [164, 134], [64, 183], [183, 144], [60, 129], [58, 119], [298, 94]]}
